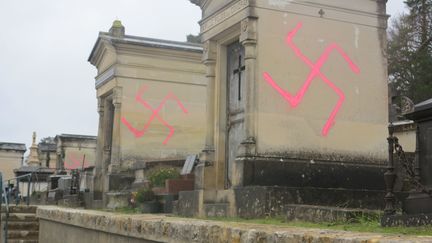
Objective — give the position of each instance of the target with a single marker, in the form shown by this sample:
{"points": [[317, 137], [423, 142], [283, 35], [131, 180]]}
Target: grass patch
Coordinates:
{"points": [[362, 224]]}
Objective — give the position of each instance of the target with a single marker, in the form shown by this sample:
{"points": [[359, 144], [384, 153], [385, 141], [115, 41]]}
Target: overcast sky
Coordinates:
{"points": [[46, 83]]}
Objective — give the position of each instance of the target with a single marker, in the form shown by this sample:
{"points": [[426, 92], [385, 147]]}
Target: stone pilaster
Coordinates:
{"points": [[115, 165], [207, 157], [247, 147], [98, 172]]}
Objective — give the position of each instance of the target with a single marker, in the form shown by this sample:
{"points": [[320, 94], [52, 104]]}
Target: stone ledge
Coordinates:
{"points": [[170, 229], [317, 214], [406, 220]]}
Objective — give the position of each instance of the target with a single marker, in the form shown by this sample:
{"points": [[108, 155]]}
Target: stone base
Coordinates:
{"points": [[257, 202], [139, 185], [188, 204], [212, 210], [260, 201], [312, 173], [418, 203], [406, 220], [168, 202], [119, 182], [117, 199], [72, 201], [318, 214]]}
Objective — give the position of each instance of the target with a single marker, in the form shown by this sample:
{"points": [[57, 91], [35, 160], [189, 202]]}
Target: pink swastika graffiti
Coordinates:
{"points": [[155, 114], [295, 100], [74, 162]]}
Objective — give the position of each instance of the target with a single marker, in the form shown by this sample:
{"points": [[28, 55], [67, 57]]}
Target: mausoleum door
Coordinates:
{"points": [[235, 106]]}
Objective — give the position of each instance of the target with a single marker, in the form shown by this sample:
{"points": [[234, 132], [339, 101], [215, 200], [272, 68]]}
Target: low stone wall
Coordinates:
{"points": [[86, 226]]}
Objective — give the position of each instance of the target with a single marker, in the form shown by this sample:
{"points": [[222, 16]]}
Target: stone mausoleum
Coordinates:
{"points": [[11, 157], [75, 151], [152, 101], [297, 109]]}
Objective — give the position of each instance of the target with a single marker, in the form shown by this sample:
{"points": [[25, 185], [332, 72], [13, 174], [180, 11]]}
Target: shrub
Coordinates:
{"points": [[158, 177], [144, 195]]}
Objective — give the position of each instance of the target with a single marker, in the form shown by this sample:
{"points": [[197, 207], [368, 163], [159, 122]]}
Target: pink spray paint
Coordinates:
{"points": [[155, 114], [75, 163], [295, 100]]}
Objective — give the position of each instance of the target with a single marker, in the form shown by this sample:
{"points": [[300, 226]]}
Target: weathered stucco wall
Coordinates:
{"points": [[75, 158], [322, 81], [61, 225], [163, 103], [52, 159], [76, 152], [10, 160]]}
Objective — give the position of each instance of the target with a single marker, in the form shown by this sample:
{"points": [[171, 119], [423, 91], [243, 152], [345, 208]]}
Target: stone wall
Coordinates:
{"points": [[63, 233], [10, 160], [85, 226]]}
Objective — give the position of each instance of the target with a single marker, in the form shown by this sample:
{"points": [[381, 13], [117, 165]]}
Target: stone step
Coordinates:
{"points": [[26, 217], [18, 225], [318, 214], [20, 209], [23, 234], [216, 209]]}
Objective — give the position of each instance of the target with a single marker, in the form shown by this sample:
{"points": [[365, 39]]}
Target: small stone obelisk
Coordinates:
{"points": [[33, 158]]}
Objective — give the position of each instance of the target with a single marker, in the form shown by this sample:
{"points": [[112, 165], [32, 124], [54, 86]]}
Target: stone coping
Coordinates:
{"points": [[163, 228]]}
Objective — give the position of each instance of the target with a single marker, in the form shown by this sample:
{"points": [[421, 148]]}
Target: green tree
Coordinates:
{"points": [[410, 51], [193, 38], [50, 140]]}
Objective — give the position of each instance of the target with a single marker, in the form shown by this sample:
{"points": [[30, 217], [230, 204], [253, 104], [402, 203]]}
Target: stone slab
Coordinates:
{"points": [[160, 228], [216, 210], [318, 214], [406, 220], [118, 182], [117, 199], [188, 203]]}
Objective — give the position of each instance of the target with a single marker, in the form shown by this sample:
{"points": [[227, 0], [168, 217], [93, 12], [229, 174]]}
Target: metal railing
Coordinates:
{"points": [[6, 193], [410, 167]]}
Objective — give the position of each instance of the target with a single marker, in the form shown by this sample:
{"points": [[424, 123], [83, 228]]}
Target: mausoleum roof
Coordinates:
{"points": [[34, 169], [422, 110], [427, 104], [13, 146], [146, 41], [47, 147], [75, 137]]}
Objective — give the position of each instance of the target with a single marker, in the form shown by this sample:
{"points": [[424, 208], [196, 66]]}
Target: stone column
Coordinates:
{"points": [[115, 165], [247, 148], [98, 172], [207, 156], [248, 40], [210, 63]]}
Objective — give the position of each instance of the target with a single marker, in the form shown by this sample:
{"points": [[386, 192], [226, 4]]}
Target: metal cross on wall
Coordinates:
{"points": [[239, 70]]}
